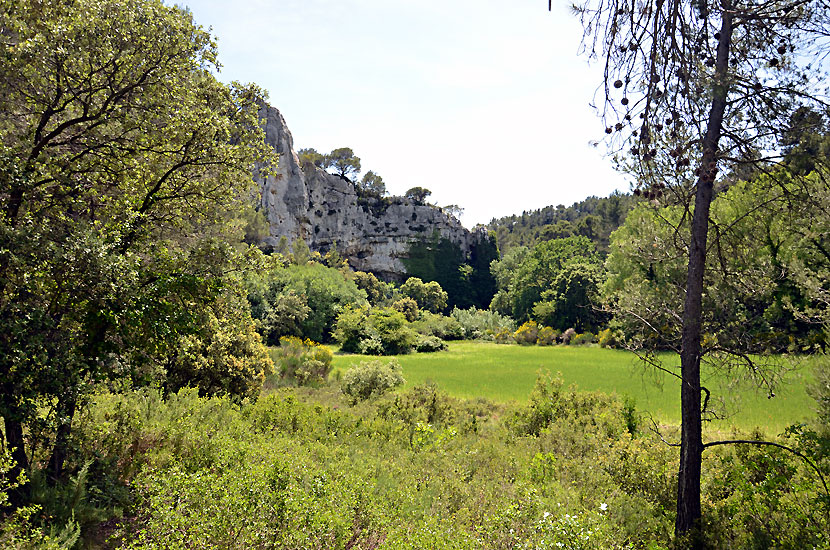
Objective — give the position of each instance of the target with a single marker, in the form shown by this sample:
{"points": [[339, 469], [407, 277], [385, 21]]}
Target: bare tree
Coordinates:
{"points": [[692, 89]]}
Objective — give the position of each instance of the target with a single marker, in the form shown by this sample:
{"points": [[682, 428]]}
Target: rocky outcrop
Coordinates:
{"points": [[325, 210]]}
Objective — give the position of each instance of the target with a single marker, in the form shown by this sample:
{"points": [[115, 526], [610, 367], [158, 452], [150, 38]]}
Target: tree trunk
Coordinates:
{"points": [[691, 441], [66, 411], [14, 442]]}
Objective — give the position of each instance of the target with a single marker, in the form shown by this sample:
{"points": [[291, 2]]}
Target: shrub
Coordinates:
{"points": [[393, 331], [610, 338], [408, 307], [504, 336], [527, 333], [567, 336], [547, 336], [435, 324], [371, 379], [583, 339], [482, 323], [284, 316], [351, 328], [378, 331], [429, 344], [430, 296], [226, 355], [303, 362]]}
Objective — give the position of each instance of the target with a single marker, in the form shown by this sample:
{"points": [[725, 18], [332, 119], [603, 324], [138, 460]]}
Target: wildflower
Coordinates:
{"points": [[603, 507]]}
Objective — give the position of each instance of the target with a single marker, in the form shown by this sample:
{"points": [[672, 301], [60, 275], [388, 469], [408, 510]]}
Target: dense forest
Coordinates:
{"points": [[594, 218], [165, 383]]}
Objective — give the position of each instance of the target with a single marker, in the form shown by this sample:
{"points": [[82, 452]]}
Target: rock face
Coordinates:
{"points": [[325, 210]]}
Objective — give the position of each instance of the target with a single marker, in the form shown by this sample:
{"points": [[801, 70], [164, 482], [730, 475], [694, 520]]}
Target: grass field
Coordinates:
{"points": [[507, 372]]}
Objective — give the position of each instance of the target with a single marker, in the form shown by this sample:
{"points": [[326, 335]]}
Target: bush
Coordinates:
{"points": [[547, 336], [408, 307], [583, 339], [429, 344], [378, 331], [610, 338], [371, 379], [430, 296], [482, 323], [393, 331], [226, 355], [527, 333], [303, 362], [504, 336], [435, 324], [567, 336], [351, 328]]}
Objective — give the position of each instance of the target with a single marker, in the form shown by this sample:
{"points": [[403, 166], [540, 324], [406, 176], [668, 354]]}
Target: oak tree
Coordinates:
{"points": [[122, 155]]}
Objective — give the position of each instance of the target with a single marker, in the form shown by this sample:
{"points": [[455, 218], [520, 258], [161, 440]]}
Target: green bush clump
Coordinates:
{"points": [[303, 361], [427, 344], [482, 324], [547, 336], [374, 331], [371, 379], [408, 307], [440, 326], [583, 339], [527, 333]]}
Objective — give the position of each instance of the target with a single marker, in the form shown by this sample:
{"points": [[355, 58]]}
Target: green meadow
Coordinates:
{"points": [[507, 373]]}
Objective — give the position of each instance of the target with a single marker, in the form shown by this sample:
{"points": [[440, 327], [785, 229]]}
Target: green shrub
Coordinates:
{"points": [[435, 324], [583, 339], [377, 331], [408, 307], [482, 323], [18, 530], [429, 344], [351, 328], [527, 333], [504, 336], [393, 331], [226, 355], [371, 379], [303, 362], [547, 336]]}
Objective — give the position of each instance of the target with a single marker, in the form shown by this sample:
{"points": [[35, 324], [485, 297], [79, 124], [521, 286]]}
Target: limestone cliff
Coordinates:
{"points": [[324, 209]]}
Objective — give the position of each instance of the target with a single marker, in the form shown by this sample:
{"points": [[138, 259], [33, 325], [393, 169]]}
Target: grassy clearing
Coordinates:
{"points": [[508, 372]]}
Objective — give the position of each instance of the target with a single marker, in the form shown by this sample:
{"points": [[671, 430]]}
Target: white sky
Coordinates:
{"points": [[484, 102]]}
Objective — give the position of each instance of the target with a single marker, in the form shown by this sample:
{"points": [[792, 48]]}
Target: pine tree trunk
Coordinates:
{"points": [[691, 441]]}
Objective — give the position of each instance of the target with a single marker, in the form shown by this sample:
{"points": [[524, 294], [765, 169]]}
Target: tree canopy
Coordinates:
{"points": [[691, 89], [122, 156]]}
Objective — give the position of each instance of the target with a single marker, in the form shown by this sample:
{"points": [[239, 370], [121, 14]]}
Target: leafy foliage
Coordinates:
{"points": [[303, 361], [124, 165], [467, 281], [371, 379], [557, 282]]}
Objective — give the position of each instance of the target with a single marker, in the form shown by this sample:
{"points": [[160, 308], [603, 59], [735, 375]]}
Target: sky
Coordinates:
{"points": [[484, 102]]}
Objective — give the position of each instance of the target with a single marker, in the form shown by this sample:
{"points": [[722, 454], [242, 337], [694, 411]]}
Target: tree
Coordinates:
{"points": [[527, 277], [344, 162], [692, 87], [372, 184], [121, 154], [311, 157], [418, 195], [429, 296]]}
